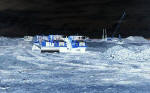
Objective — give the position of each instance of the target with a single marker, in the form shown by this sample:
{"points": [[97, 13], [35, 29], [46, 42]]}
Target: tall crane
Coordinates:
{"points": [[118, 24]]}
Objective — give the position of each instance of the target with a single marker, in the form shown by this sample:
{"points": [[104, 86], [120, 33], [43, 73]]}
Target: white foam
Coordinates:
{"points": [[119, 53], [122, 53], [124, 65], [136, 39]]}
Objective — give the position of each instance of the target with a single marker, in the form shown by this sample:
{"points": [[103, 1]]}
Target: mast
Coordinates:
{"points": [[105, 34]]}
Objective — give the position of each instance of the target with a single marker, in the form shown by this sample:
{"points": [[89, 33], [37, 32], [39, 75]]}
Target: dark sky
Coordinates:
{"points": [[84, 17]]}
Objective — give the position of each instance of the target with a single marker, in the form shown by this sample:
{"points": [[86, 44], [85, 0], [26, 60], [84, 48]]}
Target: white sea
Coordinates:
{"points": [[106, 67]]}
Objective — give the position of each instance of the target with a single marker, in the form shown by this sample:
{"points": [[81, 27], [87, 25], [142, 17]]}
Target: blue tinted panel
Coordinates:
{"points": [[43, 43]]}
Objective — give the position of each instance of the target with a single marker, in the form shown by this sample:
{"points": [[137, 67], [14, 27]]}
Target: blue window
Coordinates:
{"points": [[43, 43]]}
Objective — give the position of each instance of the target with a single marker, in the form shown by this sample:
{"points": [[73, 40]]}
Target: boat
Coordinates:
{"points": [[59, 43], [115, 40], [50, 43], [76, 44], [111, 39]]}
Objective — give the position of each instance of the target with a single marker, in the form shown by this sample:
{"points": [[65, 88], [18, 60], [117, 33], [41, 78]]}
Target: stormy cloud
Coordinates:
{"points": [[83, 17]]}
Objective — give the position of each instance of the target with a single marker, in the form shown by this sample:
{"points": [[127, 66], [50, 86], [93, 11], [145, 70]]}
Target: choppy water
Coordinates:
{"points": [[105, 68]]}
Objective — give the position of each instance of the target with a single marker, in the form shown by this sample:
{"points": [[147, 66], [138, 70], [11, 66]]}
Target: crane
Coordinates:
{"points": [[118, 24]]}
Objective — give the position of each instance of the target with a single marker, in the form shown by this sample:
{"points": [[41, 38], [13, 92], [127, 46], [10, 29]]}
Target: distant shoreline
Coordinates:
{"points": [[89, 38]]}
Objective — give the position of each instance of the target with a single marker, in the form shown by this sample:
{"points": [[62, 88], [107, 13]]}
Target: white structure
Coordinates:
{"points": [[104, 36], [28, 38], [59, 43]]}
